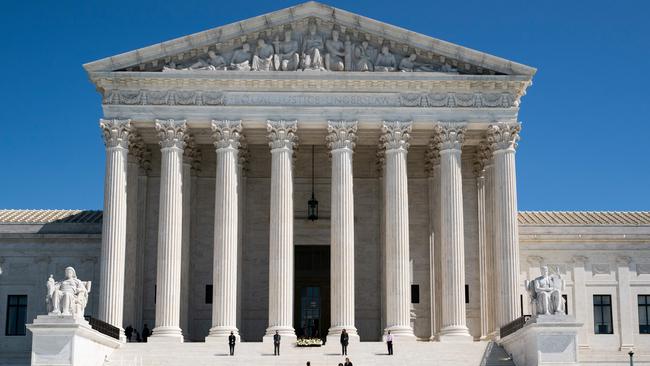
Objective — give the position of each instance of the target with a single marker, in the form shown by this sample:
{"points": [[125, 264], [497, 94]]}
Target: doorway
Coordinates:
{"points": [[312, 291]]}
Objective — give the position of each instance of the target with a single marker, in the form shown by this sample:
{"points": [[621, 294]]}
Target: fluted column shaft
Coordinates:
{"points": [[398, 282], [226, 217], [341, 141], [479, 172], [503, 138], [170, 231], [116, 134], [282, 140], [451, 137]]}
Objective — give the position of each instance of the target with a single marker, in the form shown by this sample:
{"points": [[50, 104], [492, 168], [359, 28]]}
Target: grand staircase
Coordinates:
{"points": [[365, 353]]}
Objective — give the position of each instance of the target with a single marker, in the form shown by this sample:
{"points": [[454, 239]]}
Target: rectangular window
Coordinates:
{"points": [[16, 315], [644, 314], [603, 314], [566, 304], [415, 294], [466, 294], [208, 294]]}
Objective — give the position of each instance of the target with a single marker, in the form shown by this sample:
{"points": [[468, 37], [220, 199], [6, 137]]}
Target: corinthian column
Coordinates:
{"points": [[450, 138], [395, 138], [282, 139], [503, 139], [170, 231], [226, 215], [341, 141], [111, 285]]}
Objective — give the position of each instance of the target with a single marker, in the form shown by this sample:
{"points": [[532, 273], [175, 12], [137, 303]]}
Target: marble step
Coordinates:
{"points": [[365, 353]]}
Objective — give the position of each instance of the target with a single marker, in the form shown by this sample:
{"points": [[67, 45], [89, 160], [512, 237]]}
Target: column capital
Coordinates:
{"points": [[226, 133], [244, 154], [137, 147], [623, 260], [503, 136], [432, 156], [396, 135], [579, 259], [342, 134], [483, 155], [115, 132], [192, 155], [381, 157], [282, 134], [172, 132], [450, 135]]}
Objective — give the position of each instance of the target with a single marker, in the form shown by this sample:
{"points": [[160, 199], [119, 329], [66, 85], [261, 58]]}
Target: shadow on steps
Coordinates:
{"points": [[496, 355]]}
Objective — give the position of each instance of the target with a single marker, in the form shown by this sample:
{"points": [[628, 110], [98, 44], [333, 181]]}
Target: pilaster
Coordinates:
{"points": [[580, 304], [432, 164], [626, 303], [482, 156]]}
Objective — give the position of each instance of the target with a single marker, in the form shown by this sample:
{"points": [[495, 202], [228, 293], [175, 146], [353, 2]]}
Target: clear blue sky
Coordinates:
{"points": [[586, 125]]}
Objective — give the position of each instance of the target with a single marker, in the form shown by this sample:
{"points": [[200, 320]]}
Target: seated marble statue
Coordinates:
{"points": [[546, 294], [241, 59], [334, 58], [363, 55], [312, 47], [408, 64], [214, 62], [263, 57], [68, 297], [385, 60], [286, 53]]}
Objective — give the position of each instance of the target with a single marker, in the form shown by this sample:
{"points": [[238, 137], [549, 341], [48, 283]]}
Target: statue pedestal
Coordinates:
{"points": [[63, 340], [544, 340]]}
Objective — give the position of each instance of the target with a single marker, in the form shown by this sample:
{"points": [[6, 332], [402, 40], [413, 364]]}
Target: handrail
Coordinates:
{"points": [[103, 327], [513, 326]]}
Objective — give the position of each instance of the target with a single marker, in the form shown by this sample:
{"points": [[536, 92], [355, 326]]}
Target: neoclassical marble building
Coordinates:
{"points": [[312, 170]]}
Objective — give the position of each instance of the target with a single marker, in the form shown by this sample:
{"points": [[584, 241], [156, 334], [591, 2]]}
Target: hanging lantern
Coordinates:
{"points": [[312, 204]]}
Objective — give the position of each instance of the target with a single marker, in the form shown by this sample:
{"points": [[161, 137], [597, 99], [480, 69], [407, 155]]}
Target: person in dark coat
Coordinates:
{"points": [[145, 333], [231, 342], [128, 332], [344, 342], [347, 362], [276, 343]]}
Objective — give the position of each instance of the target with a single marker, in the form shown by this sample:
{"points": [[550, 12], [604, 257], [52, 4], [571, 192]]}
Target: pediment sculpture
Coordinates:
{"points": [[545, 293], [69, 296], [310, 50]]}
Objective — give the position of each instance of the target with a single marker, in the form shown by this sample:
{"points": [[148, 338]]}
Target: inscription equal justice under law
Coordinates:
{"points": [[312, 99]]}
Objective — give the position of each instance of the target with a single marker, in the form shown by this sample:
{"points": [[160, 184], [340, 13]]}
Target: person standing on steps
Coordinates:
{"points": [[231, 342], [276, 343], [344, 343], [145, 333], [347, 362], [128, 332], [389, 342]]}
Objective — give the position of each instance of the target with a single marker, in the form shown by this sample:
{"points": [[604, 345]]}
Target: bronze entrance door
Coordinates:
{"points": [[312, 291]]}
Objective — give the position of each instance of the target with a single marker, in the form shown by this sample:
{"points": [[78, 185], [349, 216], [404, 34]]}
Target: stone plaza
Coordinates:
{"points": [[312, 170]]}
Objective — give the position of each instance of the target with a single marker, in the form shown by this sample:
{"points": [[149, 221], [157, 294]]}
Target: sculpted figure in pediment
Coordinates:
{"points": [[334, 58], [286, 53], [214, 62], [263, 58], [409, 64], [312, 48], [363, 55], [241, 59], [385, 60]]}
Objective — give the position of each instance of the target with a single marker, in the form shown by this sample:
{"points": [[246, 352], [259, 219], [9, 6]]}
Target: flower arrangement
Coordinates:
{"points": [[309, 342]]}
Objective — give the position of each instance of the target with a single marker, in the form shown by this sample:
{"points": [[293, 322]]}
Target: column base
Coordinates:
{"points": [[166, 334], [288, 335], [220, 334], [400, 333], [455, 333]]}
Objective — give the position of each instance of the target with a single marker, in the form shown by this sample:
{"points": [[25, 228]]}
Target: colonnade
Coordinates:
{"points": [[498, 237]]}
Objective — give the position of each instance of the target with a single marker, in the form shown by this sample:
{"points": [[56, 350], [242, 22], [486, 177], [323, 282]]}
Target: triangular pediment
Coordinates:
{"points": [[363, 44]]}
